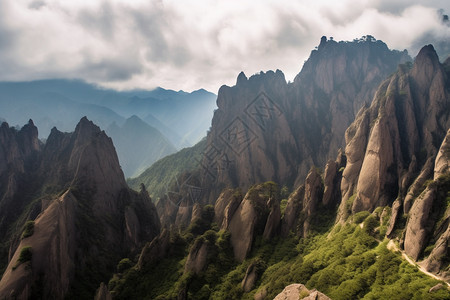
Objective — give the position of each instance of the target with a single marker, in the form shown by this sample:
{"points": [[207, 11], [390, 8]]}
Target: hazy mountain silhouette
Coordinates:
{"points": [[62, 103], [138, 145]]}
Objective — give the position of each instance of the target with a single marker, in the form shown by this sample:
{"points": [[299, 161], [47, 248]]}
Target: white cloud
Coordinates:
{"points": [[191, 44]]}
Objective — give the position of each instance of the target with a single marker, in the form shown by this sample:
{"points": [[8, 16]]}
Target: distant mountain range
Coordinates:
{"points": [[138, 145], [180, 118]]}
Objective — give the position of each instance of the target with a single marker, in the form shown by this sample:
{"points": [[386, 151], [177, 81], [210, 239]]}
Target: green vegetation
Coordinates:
{"points": [[361, 216], [25, 255], [124, 265], [28, 229], [345, 262], [166, 169]]}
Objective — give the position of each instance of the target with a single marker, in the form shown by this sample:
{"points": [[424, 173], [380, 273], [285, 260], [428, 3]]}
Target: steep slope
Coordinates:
{"points": [[266, 129], [86, 210], [391, 140], [392, 181], [158, 177], [19, 151], [138, 145], [392, 149]]}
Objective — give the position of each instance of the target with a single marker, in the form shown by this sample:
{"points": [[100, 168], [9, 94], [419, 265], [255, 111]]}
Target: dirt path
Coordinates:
{"points": [[393, 247]]}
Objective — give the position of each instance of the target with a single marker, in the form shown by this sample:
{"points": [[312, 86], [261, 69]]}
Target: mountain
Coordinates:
{"points": [[138, 145], [62, 103], [339, 181], [49, 109], [70, 213], [266, 129], [392, 149], [19, 152], [272, 130], [344, 220], [178, 141]]}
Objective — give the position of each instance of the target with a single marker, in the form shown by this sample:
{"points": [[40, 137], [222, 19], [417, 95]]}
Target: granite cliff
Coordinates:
{"points": [[84, 218]]}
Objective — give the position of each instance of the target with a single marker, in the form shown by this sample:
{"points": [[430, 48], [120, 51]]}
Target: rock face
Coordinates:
{"points": [[251, 276], [426, 213], [256, 214], [291, 221], [299, 291], [244, 224], [390, 141], [198, 257], [95, 213], [442, 164], [103, 293], [419, 227], [397, 149], [313, 196], [436, 260], [267, 129], [273, 220], [19, 154], [154, 251], [305, 202]]}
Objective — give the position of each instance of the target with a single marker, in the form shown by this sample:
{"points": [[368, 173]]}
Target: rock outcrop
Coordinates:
{"points": [[420, 223], [273, 220], [268, 129], [442, 164], [155, 250], [435, 262], [244, 224], [252, 274], [256, 214], [299, 291], [313, 197], [291, 221], [390, 141], [198, 256], [397, 155], [19, 156], [103, 293], [95, 212]]}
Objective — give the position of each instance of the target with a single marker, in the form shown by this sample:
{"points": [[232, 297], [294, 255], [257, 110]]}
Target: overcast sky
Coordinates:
{"points": [[192, 44]]}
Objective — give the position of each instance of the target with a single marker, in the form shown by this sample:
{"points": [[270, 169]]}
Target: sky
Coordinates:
{"points": [[192, 44]]}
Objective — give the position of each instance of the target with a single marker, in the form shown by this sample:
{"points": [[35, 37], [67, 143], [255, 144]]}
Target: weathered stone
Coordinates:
{"points": [[198, 257], [250, 278], [273, 220], [418, 227], [291, 219], [103, 293], [299, 291], [442, 164], [396, 208]]}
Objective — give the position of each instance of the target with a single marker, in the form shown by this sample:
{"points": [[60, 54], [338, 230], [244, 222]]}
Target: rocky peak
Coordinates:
{"points": [[241, 79], [266, 129], [19, 148], [426, 62], [96, 213], [86, 130]]}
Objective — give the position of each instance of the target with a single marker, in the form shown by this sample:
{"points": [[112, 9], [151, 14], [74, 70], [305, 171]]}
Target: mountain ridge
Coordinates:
{"points": [[82, 207]]}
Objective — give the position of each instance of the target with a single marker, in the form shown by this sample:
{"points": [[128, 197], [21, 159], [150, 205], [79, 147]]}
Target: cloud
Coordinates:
{"points": [[193, 44]]}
